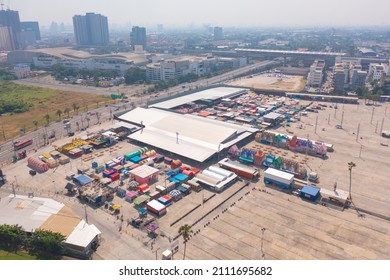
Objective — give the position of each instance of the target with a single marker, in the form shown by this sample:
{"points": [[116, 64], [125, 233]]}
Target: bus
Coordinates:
{"points": [[21, 144]]}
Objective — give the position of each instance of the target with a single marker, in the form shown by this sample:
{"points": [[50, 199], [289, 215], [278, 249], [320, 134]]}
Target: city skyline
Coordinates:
{"points": [[175, 13]]}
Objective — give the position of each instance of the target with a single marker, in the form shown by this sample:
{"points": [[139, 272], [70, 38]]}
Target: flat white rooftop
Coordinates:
{"points": [[198, 138], [212, 93]]}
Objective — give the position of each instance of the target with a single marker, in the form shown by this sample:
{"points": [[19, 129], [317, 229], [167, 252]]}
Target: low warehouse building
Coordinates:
{"points": [[33, 213]]}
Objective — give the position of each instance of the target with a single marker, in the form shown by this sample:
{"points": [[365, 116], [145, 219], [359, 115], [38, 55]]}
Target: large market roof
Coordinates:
{"points": [[198, 138], [210, 94], [28, 212]]}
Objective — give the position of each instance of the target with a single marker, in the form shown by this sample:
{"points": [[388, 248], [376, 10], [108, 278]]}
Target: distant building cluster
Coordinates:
{"points": [[172, 69], [15, 34], [349, 75]]}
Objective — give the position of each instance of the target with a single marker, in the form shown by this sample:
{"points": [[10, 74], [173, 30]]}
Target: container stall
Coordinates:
{"points": [[143, 188], [156, 207], [121, 192], [165, 199], [310, 192], [176, 195], [115, 176], [130, 196], [108, 173]]}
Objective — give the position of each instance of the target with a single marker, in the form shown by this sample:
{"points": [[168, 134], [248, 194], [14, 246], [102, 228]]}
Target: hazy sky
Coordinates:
{"points": [[228, 13]]}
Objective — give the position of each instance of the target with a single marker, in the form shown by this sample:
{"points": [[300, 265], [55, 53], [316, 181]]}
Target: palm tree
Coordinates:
{"points": [[59, 114], [350, 166], [186, 231], [35, 123], [47, 118], [67, 111], [75, 108]]}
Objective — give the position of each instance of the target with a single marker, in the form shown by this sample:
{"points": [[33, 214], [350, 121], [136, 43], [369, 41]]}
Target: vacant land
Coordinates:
{"points": [[272, 81], [42, 101]]}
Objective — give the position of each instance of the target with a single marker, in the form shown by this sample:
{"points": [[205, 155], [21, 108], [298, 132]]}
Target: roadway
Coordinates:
{"points": [[104, 114]]}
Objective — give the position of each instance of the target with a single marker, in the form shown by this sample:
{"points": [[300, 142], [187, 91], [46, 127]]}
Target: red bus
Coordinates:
{"points": [[21, 144]]}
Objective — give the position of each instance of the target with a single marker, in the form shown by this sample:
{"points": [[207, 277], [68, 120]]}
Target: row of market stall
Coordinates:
{"points": [[284, 180]]}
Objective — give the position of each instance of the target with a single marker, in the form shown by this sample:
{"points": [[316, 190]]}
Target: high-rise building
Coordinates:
{"points": [[91, 30], [7, 42], [316, 74], [358, 78], [31, 26], [138, 37], [9, 18], [218, 33], [30, 33]]}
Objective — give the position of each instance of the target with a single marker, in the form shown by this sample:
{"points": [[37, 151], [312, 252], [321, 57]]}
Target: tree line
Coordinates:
{"points": [[40, 242]]}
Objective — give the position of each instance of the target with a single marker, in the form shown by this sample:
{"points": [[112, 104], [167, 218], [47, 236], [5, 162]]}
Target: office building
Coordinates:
{"points": [[358, 78], [218, 33], [138, 37], [377, 72], [339, 80], [10, 19], [91, 30], [316, 74]]}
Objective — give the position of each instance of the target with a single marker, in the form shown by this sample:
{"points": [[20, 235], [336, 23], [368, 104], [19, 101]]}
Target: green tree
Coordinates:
{"points": [[59, 114], [35, 123], [47, 241], [185, 230], [11, 236], [75, 108], [351, 165], [47, 118], [135, 75], [67, 111]]}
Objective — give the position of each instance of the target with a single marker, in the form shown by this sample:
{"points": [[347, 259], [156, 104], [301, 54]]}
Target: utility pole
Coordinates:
{"points": [[342, 118], [361, 148], [357, 133], [86, 215], [316, 124], [329, 119], [376, 126], [372, 114], [262, 242], [383, 120]]}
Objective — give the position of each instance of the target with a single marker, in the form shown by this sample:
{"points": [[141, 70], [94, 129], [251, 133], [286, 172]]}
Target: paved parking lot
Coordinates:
{"points": [[294, 228]]}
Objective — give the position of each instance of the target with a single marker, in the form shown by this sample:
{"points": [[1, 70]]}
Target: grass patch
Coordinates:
{"points": [[20, 255], [42, 101]]}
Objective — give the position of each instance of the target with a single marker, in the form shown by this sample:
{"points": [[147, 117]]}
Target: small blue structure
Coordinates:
{"points": [[83, 179], [310, 193], [180, 177], [136, 159]]}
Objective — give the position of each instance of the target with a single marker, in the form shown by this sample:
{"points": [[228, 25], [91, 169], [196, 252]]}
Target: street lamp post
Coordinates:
{"points": [[262, 242]]}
